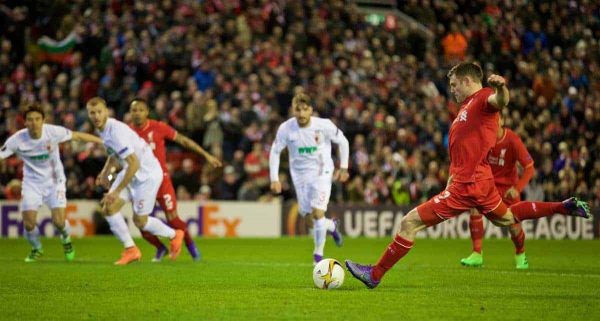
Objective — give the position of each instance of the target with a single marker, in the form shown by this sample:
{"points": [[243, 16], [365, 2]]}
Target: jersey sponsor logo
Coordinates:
{"points": [[462, 116], [501, 158], [307, 150], [151, 140], [40, 157]]}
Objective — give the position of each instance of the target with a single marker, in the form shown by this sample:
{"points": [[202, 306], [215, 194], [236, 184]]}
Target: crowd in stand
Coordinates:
{"points": [[224, 72]]}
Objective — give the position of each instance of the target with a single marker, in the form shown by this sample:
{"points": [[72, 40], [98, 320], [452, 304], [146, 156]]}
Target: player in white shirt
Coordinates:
{"points": [[138, 181], [308, 140], [44, 180]]}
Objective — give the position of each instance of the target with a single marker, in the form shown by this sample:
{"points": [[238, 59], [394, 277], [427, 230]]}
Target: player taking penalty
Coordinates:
{"points": [[308, 140], [471, 184], [138, 181], [503, 158], [44, 180], [155, 133]]}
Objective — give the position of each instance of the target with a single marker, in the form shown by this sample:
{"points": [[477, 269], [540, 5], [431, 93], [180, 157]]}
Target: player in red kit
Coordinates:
{"points": [[155, 133], [503, 158], [471, 184]]}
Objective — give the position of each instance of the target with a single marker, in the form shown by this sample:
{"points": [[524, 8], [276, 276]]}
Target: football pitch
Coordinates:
{"points": [[271, 279]]}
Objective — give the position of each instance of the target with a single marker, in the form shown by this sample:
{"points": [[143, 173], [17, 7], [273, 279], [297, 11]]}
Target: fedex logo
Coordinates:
{"points": [[211, 222]]}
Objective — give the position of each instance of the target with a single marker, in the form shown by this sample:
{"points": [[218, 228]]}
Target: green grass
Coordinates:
{"points": [[262, 279]]}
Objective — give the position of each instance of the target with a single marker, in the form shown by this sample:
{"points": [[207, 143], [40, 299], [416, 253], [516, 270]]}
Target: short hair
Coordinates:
{"points": [[301, 99], [96, 101], [467, 69], [34, 108], [139, 100]]}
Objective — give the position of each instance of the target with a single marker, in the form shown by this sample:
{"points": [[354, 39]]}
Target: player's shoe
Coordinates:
{"points": [[194, 251], [577, 207], [68, 249], [317, 258], [176, 243], [130, 254], [337, 234], [160, 253], [473, 260], [34, 255], [362, 273], [521, 261]]}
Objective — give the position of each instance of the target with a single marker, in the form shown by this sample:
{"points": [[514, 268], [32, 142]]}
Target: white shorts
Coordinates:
{"points": [[34, 195], [313, 194], [142, 194]]}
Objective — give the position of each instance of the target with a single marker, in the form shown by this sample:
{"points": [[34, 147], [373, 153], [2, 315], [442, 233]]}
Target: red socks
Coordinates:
{"points": [[394, 252], [532, 210], [178, 224], [476, 227], [519, 241], [152, 239]]}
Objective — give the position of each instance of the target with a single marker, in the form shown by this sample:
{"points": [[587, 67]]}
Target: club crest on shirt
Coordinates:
{"points": [[318, 137]]}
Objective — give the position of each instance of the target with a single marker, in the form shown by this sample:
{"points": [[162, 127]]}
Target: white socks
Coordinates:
{"points": [[329, 225], [33, 237], [66, 231], [120, 229], [320, 234], [158, 228]]}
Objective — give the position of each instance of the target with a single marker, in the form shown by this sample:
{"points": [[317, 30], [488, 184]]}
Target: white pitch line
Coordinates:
{"points": [[290, 264]]}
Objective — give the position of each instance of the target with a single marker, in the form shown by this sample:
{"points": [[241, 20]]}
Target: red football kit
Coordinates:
{"points": [[155, 133], [503, 158], [472, 135]]}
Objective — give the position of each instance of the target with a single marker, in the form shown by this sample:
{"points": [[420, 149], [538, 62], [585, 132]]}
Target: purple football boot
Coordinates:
{"points": [[160, 253], [336, 234], [362, 273], [577, 207], [194, 252]]}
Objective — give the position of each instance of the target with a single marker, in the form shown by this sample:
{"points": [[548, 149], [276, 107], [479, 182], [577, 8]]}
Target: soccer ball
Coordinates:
{"points": [[328, 274]]}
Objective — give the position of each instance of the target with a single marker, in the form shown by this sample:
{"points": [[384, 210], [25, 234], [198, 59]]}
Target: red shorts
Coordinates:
{"points": [[459, 198], [508, 201], [166, 195]]}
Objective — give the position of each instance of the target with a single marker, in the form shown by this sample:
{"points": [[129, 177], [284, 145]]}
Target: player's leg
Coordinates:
{"points": [[318, 194], [517, 235], [64, 230], [31, 200], [403, 241], [143, 197], [161, 249], [32, 235], [526, 210], [56, 200], [432, 212], [119, 227], [168, 202], [120, 230], [475, 259]]}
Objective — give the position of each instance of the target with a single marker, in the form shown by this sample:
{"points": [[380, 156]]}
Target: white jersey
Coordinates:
{"points": [[41, 156], [309, 148], [121, 141]]}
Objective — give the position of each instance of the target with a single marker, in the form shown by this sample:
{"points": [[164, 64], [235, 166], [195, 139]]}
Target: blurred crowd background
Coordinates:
{"points": [[224, 72]]}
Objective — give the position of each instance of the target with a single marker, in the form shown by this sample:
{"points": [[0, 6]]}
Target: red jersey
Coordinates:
{"points": [[503, 158], [472, 135], [155, 133]]}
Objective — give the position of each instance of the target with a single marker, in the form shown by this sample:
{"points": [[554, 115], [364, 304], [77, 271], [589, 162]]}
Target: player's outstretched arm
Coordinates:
{"points": [[500, 98], [191, 145], [79, 136]]}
